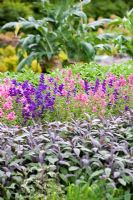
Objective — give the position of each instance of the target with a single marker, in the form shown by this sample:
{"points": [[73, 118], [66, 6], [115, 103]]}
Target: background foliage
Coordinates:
{"points": [[16, 8], [12, 10]]}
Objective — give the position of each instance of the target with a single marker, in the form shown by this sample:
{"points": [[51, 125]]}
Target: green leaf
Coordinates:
{"points": [[98, 23], [76, 151], [63, 177], [127, 195], [80, 14], [107, 171], [2, 173], [84, 2], [52, 160], [73, 168], [26, 61], [10, 25], [96, 173], [121, 181], [88, 49]]}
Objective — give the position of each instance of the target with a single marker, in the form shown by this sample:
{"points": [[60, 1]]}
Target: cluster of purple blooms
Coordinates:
{"points": [[36, 101]]}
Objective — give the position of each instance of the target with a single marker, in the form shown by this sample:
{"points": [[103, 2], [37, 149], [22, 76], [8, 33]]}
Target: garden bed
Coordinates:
{"points": [[80, 151], [66, 122]]}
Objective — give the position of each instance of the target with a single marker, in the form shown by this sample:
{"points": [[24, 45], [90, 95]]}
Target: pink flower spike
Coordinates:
{"points": [[94, 109], [122, 81], [64, 93], [78, 75], [69, 73], [130, 79], [11, 116], [57, 78], [6, 81], [1, 113], [7, 106], [81, 82]]}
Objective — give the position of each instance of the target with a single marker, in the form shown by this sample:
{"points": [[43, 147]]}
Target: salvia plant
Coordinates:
{"points": [[64, 98], [34, 158]]}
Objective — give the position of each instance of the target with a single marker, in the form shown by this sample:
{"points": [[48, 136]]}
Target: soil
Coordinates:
{"points": [[109, 60]]}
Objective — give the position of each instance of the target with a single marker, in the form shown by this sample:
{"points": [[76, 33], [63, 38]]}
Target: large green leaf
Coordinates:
{"points": [[26, 61], [10, 25], [98, 23], [88, 49]]}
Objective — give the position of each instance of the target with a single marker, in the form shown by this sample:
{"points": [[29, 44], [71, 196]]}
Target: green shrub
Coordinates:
{"points": [[62, 28], [121, 42], [95, 9], [107, 8], [88, 71], [97, 191], [92, 70], [11, 11]]}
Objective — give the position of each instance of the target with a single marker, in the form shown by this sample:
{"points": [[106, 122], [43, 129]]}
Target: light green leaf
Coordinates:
{"points": [[73, 168], [121, 181]]}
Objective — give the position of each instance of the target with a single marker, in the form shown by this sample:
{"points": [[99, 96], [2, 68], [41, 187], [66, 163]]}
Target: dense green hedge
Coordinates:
{"points": [[98, 7], [11, 11], [106, 8]]}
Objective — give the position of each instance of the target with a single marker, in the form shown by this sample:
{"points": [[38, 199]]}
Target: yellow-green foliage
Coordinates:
{"points": [[36, 66], [9, 60]]}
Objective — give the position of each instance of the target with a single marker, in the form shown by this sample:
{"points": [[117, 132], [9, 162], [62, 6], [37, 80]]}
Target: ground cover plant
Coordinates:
{"points": [[33, 158]]}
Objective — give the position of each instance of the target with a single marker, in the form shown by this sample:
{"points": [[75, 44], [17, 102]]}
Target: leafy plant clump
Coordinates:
{"points": [[73, 152], [119, 42], [64, 28], [89, 71]]}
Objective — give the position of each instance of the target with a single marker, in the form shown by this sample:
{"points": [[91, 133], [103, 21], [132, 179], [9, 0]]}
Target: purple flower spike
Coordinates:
{"points": [[116, 94], [60, 88], [126, 108], [42, 78], [96, 85], [104, 86], [86, 84]]}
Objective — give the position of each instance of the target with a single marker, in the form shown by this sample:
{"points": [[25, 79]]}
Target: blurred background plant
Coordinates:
{"points": [[111, 8], [9, 60], [116, 37], [10, 10], [62, 29], [58, 34], [126, 43], [8, 38]]}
